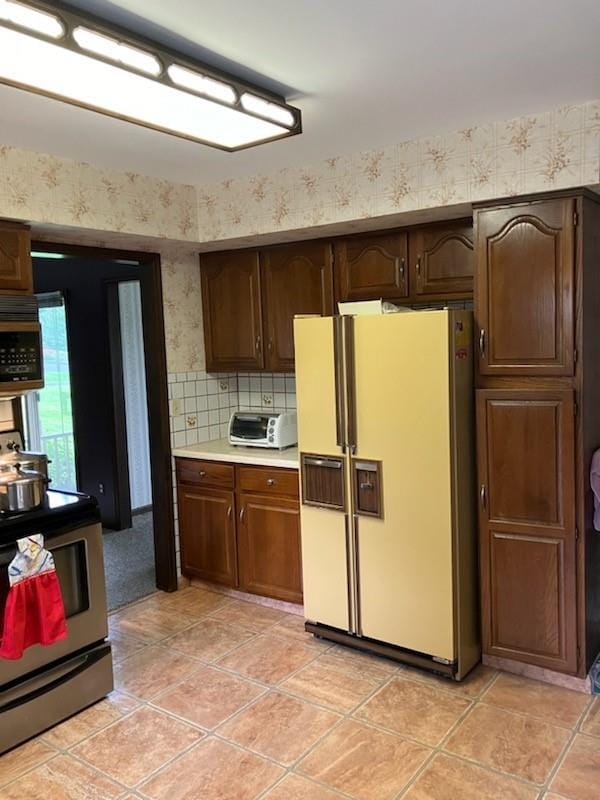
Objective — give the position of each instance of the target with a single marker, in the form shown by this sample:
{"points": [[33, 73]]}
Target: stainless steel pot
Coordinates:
{"points": [[38, 462], [21, 489]]}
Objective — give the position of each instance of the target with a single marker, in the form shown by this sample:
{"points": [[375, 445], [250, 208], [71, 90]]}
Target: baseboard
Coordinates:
{"points": [[583, 685], [259, 600]]}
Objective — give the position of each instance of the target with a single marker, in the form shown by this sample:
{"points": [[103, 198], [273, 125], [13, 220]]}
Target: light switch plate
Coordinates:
{"points": [[177, 407]]}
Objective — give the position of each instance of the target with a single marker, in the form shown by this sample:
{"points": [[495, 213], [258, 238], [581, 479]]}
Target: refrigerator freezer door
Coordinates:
{"points": [[403, 419], [320, 428]]}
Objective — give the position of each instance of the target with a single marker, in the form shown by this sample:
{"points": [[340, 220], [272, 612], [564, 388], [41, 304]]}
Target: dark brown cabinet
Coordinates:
{"points": [[231, 300], [257, 547], [442, 261], [526, 442], [525, 288], [269, 547], [369, 267], [296, 279], [15, 259], [207, 534]]}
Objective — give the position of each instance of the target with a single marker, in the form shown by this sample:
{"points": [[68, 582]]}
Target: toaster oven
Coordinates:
{"points": [[273, 429]]}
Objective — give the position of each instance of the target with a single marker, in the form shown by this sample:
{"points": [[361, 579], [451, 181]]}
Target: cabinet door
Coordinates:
{"points": [[207, 534], [372, 267], [527, 526], [442, 259], [297, 279], [15, 259], [524, 278], [269, 547], [232, 311]]}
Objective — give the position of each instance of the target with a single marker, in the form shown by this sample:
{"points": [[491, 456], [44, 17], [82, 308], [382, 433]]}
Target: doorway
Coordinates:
{"points": [[104, 406]]}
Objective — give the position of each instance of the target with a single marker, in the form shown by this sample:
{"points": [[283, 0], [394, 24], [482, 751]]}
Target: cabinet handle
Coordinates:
{"points": [[270, 345], [229, 512], [483, 497], [400, 269], [418, 266], [202, 474], [270, 481], [242, 514], [257, 344], [482, 342]]}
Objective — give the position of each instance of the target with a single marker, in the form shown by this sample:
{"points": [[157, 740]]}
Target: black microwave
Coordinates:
{"points": [[21, 366]]}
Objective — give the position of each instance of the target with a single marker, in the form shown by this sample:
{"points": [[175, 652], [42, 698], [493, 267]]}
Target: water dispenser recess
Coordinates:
{"points": [[367, 487]]}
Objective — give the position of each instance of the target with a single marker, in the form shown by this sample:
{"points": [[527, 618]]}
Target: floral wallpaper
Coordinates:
{"points": [[545, 151], [77, 202]]}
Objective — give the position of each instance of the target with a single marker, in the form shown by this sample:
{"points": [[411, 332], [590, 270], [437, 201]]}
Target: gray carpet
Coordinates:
{"points": [[129, 562]]}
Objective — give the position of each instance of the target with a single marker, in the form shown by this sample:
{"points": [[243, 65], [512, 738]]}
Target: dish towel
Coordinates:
{"points": [[34, 612], [595, 483]]}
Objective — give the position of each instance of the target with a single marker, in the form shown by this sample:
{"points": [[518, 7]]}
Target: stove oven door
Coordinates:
{"points": [[80, 568]]}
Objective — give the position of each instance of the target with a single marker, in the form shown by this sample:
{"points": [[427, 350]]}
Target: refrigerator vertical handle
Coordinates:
{"points": [[348, 323], [338, 350]]}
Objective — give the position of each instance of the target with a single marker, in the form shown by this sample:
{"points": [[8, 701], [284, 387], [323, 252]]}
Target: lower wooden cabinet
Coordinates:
{"points": [[207, 534], [240, 527], [15, 259], [269, 547], [526, 443]]}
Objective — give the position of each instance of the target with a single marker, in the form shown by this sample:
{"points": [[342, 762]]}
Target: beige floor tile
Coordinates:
{"points": [[86, 722], [150, 624], [270, 659], [132, 748], [279, 727], [591, 723], [578, 777], [152, 671], [448, 778], [124, 646], [194, 600], [248, 615], [209, 639], [292, 627], [325, 683], [208, 697], [550, 703], [63, 778], [414, 709], [294, 787], [522, 746], [552, 796], [214, 770], [363, 762], [24, 758], [472, 686]]}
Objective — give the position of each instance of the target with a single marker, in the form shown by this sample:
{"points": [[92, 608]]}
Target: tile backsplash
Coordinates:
{"points": [[266, 391]]}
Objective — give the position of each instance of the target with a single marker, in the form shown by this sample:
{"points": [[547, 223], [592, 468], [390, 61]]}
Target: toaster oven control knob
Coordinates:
{"points": [[271, 422], [271, 439]]}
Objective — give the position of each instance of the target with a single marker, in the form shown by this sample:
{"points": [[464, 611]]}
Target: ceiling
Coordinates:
{"points": [[364, 74]]}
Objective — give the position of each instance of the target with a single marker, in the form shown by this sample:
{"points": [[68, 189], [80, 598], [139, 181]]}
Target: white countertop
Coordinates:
{"points": [[221, 450]]}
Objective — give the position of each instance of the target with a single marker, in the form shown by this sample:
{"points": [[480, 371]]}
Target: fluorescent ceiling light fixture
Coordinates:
{"points": [[91, 65], [117, 51], [32, 18]]}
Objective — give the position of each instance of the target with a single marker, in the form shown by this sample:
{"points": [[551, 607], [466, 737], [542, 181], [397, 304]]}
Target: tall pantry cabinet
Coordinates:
{"points": [[537, 307]]}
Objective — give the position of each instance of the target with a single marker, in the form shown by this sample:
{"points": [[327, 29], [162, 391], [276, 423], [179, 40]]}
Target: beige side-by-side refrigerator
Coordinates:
{"points": [[385, 432]]}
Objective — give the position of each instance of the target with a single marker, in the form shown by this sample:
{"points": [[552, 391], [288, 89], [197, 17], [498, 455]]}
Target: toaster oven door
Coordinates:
{"points": [[249, 427]]}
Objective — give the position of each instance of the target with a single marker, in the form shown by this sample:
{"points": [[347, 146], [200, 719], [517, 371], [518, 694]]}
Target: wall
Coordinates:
{"points": [[6, 415]]}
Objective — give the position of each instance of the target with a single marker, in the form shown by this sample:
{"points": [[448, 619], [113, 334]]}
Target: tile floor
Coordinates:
{"points": [[218, 699]]}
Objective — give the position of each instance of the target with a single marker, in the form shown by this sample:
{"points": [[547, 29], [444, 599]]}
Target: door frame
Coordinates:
{"points": [[157, 394]]}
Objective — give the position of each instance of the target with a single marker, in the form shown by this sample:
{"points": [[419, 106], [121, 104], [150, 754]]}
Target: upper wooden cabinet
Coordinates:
{"points": [[524, 286], [442, 261], [15, 259], [296, 279], [231, 302], [372, 266]]}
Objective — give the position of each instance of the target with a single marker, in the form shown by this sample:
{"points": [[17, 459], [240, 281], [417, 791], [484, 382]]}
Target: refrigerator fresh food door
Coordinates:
{"points": [[403, 417], [320, 433]]}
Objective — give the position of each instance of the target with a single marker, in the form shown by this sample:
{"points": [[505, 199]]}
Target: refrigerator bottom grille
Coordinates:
{"points": [[378, 648]]}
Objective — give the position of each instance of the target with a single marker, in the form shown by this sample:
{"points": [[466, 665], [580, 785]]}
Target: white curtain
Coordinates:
{"points": [[134, 382]]}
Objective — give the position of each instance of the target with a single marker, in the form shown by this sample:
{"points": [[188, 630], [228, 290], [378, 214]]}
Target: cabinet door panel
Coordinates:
{"points": [[442, 259], [526, 443], [372, 267], [232, 311], [207, 534], [269, 547], [525, 273], [297, 279], [15, 259]]}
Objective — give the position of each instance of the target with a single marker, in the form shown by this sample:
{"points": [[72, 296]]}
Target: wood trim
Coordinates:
{"points": [[158, 404]]}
